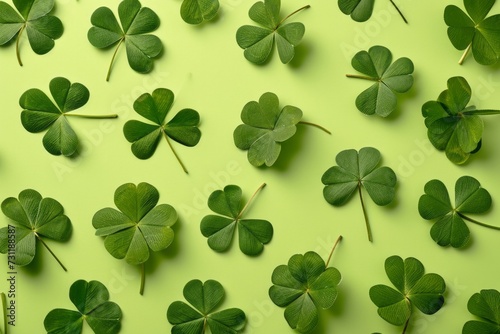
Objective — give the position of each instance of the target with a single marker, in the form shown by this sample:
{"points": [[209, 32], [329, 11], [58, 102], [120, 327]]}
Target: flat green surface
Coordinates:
{"points": [[206, 70]]}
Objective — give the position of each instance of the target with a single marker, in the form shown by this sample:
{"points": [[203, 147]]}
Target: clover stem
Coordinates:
{"points": [[173, 151], [333, 248], [368, 229], [465, 54], [50, 251], [356, 76], [4, 307], [250, 200], [143, 278], [113, 58], [18, 38], [477, 222], [93, 116], [289, 15], [400, 13], [315, 125], [406, 325]]}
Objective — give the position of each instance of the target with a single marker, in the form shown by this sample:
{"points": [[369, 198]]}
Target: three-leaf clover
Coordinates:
{"points": [[361, 10], [354, 171], [34, 217], [485, 305], [139, 226], [136, 24], [389, 79], [474, 31], [450, 227], [253, 234], [42, 29], [40, 114], [194, 318], [265, 127], [91, 299], [452, 126], [196, 11], [413, 287], [303, 286], [183, 127], [258, 42]]}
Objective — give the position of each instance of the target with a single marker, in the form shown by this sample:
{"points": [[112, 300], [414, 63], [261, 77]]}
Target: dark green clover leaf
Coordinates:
{"points": [[194, 318], [91, 299], [258, 42], [136, 24], [452, 126], [183, 127], [197, 11], [450, 227], [475, 31], [139, 226], [33, 217], [485, 305], [354, 171], [389, 79], [361, 10], [41, 114], [253, 233], [413, 288], [42, 28]]}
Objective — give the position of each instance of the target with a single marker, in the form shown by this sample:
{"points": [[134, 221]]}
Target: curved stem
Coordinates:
{"points": [[113, 59], [368, 229], [400, 13], [17, 44], [315, 125], [477, 222], [364, 77], [333, 248], [93, 116], [406, 325], [4, 307], [50, 251], [465, 54], [250, 200], [289, 15], [143, 278], [176, 156]]}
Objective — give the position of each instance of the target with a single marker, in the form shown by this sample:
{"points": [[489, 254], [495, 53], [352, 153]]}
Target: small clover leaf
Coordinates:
{"points": [[91, 299], [485, 305], [258, 42], [41, 27], [450, 227], [361, 10], [413, 288], [138, 227], [136, 24], [40, 114], [452, 126], [197, 11], [475, 31], [219, 229], [183, 127], [389, 79], [194, 318], [354, 171], [34, 217]]}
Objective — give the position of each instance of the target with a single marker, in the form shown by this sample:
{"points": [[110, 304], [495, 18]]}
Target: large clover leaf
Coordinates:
{"points": [[356, 170], [42, 28], [258, 42], [183, 127], [389, 79], [91, 299], [136, 24], [204, 297], [450, 227], [452, 126], [253, 234], [485, 305], [139, 226], [474, 31], [33, 217], [197, 11], [413, 288], [361, 10]]}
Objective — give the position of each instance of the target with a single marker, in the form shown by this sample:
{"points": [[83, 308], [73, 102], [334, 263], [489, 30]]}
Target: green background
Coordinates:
{"points": [[206, 69]]}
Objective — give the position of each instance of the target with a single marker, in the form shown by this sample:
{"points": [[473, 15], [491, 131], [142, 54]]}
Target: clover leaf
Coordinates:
{"points": [[354, 171], [258, 42], [266, 127], [183, 127], [361, 10], [413, 288], [452, 126], [389, 79], [33, 217], [450, 227], [485, 305], [194, 318], [475, 31], [138, 227], [303, 286], [91, 299], [196, 11], [136, 24], [40, 114], [41, 27], [253, 234]]}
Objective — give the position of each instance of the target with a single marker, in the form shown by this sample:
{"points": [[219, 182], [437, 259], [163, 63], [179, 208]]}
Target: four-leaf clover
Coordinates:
{"points": [[361, 10], [485, 305], [196, 11]]}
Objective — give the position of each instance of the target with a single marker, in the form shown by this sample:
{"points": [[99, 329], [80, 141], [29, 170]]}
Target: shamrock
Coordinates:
{"points": [[42, 28], [34, 217], [258, 42], [139, 226], [361, 10], [204, 297], [356, 170], [183, 127], [389, 79], [91, 299], [485, 305], [136, 24], [196, 11]]}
